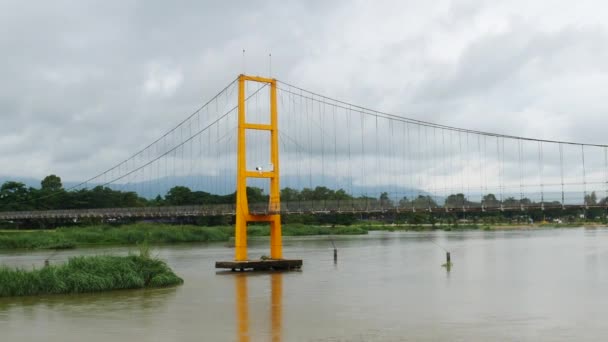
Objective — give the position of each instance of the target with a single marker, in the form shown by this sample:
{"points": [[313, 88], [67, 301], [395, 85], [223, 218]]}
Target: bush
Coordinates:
{"points": [[88, 274]]}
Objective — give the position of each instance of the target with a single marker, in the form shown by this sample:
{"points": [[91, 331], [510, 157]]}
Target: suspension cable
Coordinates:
{"points": [[584, 175], [350, 171], [606, 175], [519, 161], [368, 111], [480, 172], [561, 171], [138, 153]]}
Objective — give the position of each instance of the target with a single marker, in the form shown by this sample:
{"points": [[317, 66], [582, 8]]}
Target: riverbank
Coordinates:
{"points": [[88, 274], [487, 227], [67, 238]]}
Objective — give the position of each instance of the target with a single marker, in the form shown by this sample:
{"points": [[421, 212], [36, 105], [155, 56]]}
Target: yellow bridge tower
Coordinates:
{"points": [[243, 215]]}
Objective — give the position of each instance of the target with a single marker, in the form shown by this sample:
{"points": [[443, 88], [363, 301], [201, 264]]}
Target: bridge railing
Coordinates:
{"points": [[295, 207], [139, 212]]}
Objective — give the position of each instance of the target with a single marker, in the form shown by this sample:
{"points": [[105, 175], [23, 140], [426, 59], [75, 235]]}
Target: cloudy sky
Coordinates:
{"points": [[86, 83]]}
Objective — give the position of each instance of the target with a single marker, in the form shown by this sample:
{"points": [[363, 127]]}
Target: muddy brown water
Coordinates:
{"points": [[537, 285]]}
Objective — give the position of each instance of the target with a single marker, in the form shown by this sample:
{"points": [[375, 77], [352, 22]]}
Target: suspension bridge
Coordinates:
{"points": [[379, 161], [335, 157], [375, 161]]}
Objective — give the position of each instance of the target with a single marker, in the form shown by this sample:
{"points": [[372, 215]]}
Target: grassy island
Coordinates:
{"points": [[88, 274]]}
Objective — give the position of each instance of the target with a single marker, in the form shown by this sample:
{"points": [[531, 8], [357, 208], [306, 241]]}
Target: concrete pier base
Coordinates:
{"points": [[261, 265]]}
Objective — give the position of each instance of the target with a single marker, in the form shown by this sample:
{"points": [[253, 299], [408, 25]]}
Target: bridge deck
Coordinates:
{"points": [[303, 207]]}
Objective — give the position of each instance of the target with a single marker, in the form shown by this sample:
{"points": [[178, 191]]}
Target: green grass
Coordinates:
{"points": [[136, 233], [133, 234], [306, 230], [425, 227], [62, 238], [88, 274], [561, 225], [35, 240], [155, 234]]}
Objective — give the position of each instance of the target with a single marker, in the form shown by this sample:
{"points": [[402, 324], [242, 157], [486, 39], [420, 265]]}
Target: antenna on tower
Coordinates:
{"points": [[244, 61], [269, 64]]}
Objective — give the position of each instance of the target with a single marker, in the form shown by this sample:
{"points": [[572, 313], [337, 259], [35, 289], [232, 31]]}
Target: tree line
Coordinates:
{"points": [[16, 196]]}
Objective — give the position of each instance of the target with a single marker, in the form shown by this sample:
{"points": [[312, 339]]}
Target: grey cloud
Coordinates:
{"points": [[86, 83]]}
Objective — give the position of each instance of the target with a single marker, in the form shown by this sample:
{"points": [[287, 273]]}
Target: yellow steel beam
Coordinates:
{"points": [[257, 79], [260, 218], [242, 207], [276, 244], [256, 174], [260, 127]]}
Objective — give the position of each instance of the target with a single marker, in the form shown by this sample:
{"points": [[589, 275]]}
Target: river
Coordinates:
{"points": [[519, 285]]}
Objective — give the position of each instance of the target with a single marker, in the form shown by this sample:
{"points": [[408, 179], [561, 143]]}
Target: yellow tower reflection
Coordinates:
{"points": [[276, 307], [242, 307]]}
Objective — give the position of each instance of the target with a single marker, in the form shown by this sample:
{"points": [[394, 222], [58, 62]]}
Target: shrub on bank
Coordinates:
{"points": [[88, 274]]}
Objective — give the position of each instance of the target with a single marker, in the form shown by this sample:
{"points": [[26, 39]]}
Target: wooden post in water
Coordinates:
{"points": [[335, 249], [447, 258]]}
